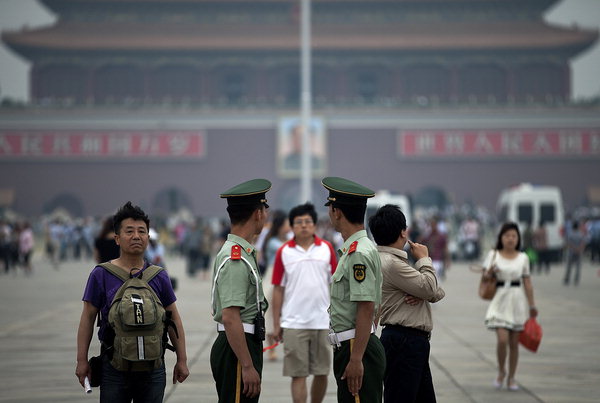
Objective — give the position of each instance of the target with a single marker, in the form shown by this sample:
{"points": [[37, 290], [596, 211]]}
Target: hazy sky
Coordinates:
{"points": [[15, 14]]}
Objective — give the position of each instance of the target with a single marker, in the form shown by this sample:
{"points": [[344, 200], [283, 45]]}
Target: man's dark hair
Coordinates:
{"points": [[240, 214], [129, 211], [301, 210], [354, 213], [386, 224]]}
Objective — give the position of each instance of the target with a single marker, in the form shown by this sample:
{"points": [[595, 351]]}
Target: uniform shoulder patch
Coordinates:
{"points": [[353, 247], [360, 272], [236, 252]]}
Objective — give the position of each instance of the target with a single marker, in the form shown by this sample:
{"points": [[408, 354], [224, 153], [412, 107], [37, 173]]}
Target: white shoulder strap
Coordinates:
{"points": [[214, 284]]}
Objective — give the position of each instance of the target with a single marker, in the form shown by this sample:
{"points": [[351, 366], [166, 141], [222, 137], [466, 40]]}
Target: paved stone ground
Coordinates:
{"points": [[39, 317]]}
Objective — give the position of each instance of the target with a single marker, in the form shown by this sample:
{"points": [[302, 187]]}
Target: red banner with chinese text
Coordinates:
{"points": [[528, 143], [66, 144]]}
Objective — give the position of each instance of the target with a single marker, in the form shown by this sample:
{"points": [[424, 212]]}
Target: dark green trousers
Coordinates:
{"points": [[227, 372], [374, 369]]}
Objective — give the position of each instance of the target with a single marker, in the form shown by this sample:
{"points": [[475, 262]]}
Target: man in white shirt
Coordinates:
{"points": [[301, 276]]}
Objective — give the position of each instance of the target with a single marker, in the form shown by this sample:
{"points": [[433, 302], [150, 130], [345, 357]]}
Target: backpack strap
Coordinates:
{"points": [[115, 270], [148, 274], [152, 271]]}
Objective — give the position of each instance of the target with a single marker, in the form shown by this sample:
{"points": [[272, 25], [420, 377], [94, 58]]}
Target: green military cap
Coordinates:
{"points": [[345, 191], [248, 193]]}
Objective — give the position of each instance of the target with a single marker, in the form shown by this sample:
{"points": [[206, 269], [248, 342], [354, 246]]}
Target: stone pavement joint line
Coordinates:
{"points": [[481, 356], [452, 379], [191, 363]]}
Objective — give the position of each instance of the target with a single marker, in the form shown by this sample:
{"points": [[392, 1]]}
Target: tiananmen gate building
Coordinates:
{"points": [[169, 102]]}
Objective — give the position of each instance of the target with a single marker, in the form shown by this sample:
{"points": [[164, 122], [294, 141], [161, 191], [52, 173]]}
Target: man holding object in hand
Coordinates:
{"points": [[406, 318]]}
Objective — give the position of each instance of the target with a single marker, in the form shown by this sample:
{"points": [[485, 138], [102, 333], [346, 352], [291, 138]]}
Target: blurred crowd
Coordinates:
{"points": [[458, 233], [17, 242]]}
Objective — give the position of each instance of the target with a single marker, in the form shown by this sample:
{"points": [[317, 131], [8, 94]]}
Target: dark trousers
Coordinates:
{"points": [[407, 374], [373, 365], [228, 373], [543, 261], [573, 260], [124, 387], [594, 246]]}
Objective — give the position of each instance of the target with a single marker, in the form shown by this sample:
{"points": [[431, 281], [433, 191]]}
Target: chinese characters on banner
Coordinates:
{"points": [[64, 144], [486, 143]]}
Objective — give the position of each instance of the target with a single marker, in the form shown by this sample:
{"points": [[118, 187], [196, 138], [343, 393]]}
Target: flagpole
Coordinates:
{"points": [[305, 100]]}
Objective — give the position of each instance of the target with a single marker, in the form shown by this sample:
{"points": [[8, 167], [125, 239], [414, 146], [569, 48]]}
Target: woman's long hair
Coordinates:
{"points": [[107, 228], [278, 219]]}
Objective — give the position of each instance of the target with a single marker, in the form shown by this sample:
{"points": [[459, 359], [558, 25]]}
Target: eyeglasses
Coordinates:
{"points": [[300, 222]]}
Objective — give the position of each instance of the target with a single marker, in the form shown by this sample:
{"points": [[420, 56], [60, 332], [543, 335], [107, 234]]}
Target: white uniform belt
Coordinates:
{"points": [[248, 328], [336, 338]]}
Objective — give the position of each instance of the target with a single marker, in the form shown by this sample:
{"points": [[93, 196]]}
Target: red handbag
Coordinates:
{"points": [[531, 336]]}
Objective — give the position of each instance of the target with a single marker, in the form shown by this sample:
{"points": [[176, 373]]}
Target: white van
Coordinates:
{"points": [[526, 203], [383, 197]]}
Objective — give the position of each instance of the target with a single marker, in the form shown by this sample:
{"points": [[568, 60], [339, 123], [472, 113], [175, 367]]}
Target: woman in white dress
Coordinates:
{"points": [[513, 303]]}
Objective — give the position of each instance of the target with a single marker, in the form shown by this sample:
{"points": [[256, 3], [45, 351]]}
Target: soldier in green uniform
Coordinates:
{"points": [[359, 357], [237, 297]]}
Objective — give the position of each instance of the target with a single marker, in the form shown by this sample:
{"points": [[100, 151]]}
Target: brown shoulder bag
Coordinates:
{"points": [[487, 284]]}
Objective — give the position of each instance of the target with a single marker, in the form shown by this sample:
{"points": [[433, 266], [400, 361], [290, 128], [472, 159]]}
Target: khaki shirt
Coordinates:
{"points": [[357, 278], [236, 283], [399, 279]]}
